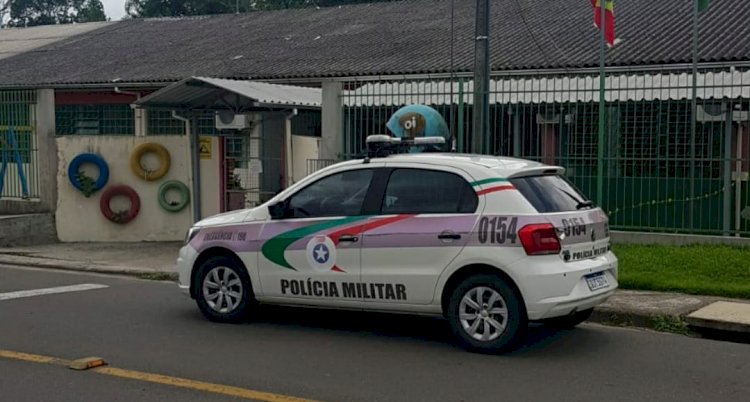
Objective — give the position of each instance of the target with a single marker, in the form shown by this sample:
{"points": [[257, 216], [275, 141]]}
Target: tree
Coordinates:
{"points": [[4, 5], [92, 10], [48, 12]]}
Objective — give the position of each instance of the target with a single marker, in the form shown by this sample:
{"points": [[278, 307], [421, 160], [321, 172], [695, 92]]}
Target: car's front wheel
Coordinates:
{"points": [[486, 315], [222, 289]]}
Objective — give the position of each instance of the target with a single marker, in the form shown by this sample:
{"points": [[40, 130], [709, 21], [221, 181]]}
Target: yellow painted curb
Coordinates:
{"points": [[96, 364]]}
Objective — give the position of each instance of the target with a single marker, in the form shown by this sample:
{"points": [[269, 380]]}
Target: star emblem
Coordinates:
{"points": [[320, 253]]}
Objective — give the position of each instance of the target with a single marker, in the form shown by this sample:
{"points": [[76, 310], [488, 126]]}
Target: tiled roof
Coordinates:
{"points": [[15, 41], [407, 37]]}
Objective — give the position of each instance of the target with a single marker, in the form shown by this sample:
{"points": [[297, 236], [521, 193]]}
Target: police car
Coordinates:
{"points": [[490, 243]]}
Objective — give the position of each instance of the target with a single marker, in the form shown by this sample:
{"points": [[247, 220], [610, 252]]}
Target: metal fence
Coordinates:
{"points": [[660, 172], [19, 159]]}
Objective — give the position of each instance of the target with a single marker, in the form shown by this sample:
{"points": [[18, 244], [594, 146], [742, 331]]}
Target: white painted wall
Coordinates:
{"points": [[210, 181], [79, 218], [303, 148]]}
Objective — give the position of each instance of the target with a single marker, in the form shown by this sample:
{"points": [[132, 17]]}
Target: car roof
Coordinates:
{"points": [[483, 165]]}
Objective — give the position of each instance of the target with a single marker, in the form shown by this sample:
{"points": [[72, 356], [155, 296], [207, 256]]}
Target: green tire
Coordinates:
{"points": [[184, 195]]}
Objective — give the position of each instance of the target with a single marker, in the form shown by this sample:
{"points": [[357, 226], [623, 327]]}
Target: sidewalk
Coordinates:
{"points": [[672, 312]]}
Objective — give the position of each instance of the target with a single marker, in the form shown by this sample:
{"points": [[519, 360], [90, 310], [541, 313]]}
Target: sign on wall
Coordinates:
{"points": [[204, 145]]}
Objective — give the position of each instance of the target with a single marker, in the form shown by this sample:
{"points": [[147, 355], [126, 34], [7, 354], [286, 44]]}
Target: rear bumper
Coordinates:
{"points": [[553, 288]]}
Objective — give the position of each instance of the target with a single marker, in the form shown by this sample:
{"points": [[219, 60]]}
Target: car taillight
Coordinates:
{"points": [[539, 239]]}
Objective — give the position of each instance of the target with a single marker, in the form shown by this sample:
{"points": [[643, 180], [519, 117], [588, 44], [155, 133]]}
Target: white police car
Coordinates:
{"points": [[489, 242]]}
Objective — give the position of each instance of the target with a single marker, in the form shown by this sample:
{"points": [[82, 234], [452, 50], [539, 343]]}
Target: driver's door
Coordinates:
{"points": [[312, 254]]}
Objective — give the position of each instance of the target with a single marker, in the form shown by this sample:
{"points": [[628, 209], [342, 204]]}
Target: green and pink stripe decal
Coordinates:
{"points": [[498, 184]]}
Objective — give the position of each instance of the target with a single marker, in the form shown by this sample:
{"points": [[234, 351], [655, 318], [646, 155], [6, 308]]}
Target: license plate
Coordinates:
{"points": [[597, 281]]}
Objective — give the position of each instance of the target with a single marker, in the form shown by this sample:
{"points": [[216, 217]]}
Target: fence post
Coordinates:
{"points": [[726, 224], [461, 115], [332, 121]]}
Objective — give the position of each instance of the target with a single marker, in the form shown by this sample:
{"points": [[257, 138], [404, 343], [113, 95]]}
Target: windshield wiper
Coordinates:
{"points": [[580, 204]]}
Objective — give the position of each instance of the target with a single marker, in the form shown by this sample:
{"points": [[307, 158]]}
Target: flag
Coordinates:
{"points": [[609, 19], [703, 5]]}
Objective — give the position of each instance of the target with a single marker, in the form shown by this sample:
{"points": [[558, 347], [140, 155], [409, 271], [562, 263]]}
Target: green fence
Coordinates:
{"points": [[661, 172], [19, 160]]}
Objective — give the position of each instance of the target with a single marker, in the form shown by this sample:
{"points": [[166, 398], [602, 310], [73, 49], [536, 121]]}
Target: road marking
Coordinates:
{"points": [[160, 379], [199, 385], [28, 357], [49, 291]]}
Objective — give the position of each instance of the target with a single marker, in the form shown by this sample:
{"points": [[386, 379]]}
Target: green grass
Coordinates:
{"points": [[701, 270]]}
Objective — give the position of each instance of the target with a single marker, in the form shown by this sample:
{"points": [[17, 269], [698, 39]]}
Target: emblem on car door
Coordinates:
{"points": [[321, 253]]}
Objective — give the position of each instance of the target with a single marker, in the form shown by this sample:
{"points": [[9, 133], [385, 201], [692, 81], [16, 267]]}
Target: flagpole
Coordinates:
{"points": [[600, 145], [693, 120]]}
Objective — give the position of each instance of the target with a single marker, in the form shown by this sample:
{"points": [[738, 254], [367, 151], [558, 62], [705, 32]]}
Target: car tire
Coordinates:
{"points": [[568, 321], [501, 315], [223, 290]]}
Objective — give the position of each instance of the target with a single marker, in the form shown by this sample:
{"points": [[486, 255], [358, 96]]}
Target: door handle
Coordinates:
{"points": [[449, 236], [348, 239]]}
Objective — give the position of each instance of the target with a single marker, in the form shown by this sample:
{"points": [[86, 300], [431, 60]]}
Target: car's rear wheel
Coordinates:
{"points": [[222, 289], [486, 315], [568, 321]]}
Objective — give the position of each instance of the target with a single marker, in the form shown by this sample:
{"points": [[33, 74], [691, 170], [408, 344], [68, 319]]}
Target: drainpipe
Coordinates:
{"points": [[194, 163], [288, 151], [120, 91], [140, 129]]}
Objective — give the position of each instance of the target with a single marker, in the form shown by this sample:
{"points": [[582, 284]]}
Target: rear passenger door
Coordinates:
{"points": [[423, 222]]}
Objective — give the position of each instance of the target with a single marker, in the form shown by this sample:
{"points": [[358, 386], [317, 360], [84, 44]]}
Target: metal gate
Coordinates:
{"points": [[19, 161], [253, 169], [658, 171]]}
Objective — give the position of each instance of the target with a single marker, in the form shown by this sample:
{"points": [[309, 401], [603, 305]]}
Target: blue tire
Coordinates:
{"points": [[94, 159]]}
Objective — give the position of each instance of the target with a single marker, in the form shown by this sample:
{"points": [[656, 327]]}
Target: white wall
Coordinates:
{"points": [[303, 148], [210, 181], [79, 218]]}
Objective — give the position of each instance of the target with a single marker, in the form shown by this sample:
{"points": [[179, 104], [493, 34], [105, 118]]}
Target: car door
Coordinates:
{"points": [[426, 217], [312, 254]]}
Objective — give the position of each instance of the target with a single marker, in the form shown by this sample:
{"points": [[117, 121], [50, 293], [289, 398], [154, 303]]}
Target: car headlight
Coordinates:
{"points": [[191, 233]]}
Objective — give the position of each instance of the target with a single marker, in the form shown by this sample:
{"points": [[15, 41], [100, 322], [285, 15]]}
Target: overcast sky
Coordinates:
{"points": [[115, 9]]}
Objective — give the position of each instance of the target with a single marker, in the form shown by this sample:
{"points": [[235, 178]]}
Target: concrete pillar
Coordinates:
{"points": [[332, 141], [47, 154]]}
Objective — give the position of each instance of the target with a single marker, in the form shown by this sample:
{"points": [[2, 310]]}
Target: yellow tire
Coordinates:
{"points": [[150, 147]]}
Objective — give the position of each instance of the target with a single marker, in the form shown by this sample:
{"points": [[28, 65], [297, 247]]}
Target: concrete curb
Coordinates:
{"points": [[658, 322], [81, 266]]}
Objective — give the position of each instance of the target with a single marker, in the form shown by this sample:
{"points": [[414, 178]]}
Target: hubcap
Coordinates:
{"points": [[483, 313], [222, 290]]}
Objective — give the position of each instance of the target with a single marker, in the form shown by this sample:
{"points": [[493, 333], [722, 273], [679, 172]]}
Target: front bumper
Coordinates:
{"points": [[185, 261]]}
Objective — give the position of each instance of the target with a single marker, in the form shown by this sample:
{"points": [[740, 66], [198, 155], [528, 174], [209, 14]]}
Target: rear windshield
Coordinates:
{"points": [[551, 193]]}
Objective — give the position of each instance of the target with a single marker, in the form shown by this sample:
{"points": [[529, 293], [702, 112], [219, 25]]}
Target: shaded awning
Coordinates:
{"points": [[202, 93]]}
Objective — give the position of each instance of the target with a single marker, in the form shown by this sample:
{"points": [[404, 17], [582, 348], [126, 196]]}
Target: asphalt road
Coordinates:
{"points": [[331, 356]]}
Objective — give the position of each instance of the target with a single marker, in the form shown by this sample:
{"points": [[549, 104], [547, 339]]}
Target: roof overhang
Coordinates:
{"points": [[203, 93]]}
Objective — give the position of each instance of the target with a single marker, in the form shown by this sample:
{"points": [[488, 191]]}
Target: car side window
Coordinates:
{"points": [[341, 194], [421, 191]]}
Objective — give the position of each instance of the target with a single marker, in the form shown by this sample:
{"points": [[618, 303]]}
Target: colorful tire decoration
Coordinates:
{"points": [[184, 195], [123, 216], [84, 184], [150, 147]]}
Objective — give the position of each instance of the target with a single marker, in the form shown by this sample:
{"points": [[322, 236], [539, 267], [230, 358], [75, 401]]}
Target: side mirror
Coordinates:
{"points": [[278, 210]]}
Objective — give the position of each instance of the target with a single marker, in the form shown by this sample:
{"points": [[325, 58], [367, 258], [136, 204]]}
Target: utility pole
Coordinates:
{"points": [[480, 132], [602, 106]]}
